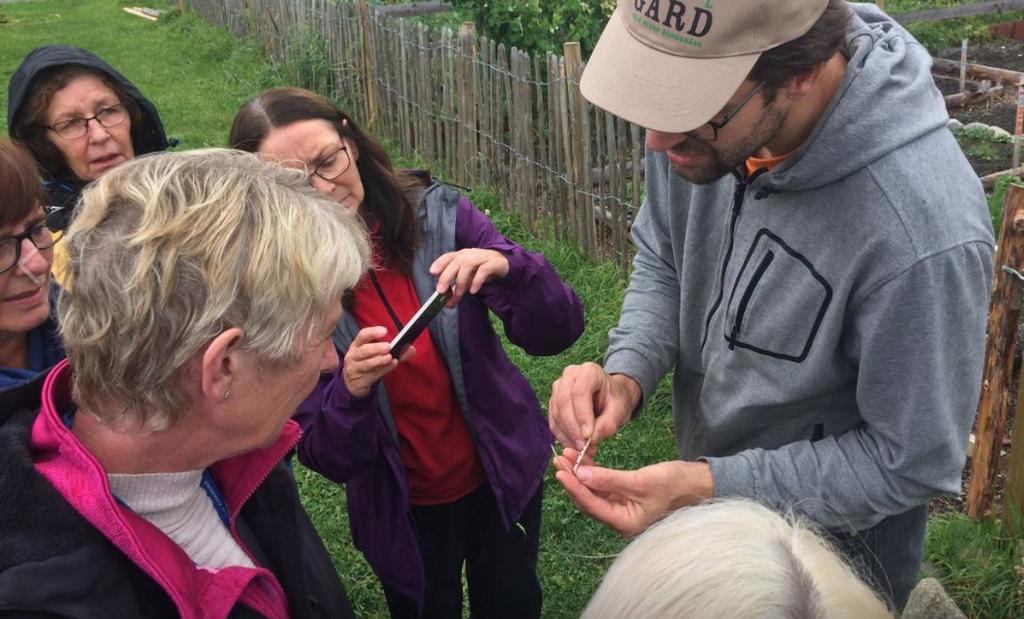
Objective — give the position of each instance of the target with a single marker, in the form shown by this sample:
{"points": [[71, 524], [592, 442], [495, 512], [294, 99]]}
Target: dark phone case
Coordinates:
{"points": [[427, 312]]}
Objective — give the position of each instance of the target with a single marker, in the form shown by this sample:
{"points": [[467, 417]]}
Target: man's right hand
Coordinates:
{"points": [[586, 400], [368, 359]]}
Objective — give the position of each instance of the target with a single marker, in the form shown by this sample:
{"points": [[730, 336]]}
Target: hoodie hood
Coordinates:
{"points": [[888, 76], [147, 136]]}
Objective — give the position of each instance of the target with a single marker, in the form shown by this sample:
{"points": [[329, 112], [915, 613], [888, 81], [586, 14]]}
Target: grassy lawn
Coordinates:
{"points": [[198, 76]]}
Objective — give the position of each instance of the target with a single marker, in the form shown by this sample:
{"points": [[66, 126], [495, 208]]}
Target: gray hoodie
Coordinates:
{"points": [[829, 315]]}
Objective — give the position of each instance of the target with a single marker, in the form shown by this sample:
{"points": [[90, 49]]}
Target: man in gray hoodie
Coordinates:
{"points": [[814, 261]]}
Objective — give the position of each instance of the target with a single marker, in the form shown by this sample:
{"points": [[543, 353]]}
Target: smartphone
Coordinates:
{"points": [[412, 329]]}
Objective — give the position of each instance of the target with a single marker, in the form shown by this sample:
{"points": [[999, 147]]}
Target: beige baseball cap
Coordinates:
{"points": [[671, 65]]}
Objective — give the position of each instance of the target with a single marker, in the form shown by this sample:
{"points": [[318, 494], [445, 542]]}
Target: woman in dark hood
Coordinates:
{"points": [[79, 118]]}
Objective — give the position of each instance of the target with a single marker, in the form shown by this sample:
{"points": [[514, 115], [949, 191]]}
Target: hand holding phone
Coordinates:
{"points": [[427, 312]]}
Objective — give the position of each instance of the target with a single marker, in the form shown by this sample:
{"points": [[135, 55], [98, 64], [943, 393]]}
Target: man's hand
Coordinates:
{"points": [[368, 359], [467, 270], [630, 501], [587, 399]]}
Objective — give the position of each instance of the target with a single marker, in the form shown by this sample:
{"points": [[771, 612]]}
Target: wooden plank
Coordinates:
{"points": [[964, 10], [414, 9], [989, 180], [636, 152], [131, 10], [578, 149], [424, 131], [1003, 321], [976, 71], [530, 143], [448, 79], [540, 149], [369, 67], [502, 162], [406, 96], [467, 101], [566, 159], [625, 156]]}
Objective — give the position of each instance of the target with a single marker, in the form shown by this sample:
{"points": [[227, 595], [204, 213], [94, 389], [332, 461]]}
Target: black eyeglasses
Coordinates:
{"points": [[39, 233], [334, 165], [74, 128], [709, 131]]}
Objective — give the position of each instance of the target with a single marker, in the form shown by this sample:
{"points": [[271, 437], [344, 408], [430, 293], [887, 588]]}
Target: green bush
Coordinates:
{"points": [[539, 26]]}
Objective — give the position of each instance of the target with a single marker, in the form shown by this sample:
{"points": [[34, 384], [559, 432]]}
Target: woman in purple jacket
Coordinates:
{"points": [[442, 451]]}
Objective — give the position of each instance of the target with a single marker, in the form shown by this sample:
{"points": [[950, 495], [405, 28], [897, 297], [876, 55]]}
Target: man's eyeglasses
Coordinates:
{"points": [[40, 234], [709, 132], [334, 165], [74, 128]]}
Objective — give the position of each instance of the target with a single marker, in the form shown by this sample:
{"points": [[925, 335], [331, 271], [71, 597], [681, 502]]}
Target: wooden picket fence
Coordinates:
{"points": [[478, 113]]}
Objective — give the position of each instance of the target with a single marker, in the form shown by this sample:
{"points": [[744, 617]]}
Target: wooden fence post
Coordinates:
{"points": [[1003, 319], [1013, 492], [468, 131], [369, 67], [881, 4], [578, 163], [181, 6]]}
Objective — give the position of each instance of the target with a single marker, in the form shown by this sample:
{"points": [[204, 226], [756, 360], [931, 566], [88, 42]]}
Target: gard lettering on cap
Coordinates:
{"points": [[700, 19]]}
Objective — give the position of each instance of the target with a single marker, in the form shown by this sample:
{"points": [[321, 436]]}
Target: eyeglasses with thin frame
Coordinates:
{"points": [[702, 132], [334, 165], [39, 233], [74, 128]]}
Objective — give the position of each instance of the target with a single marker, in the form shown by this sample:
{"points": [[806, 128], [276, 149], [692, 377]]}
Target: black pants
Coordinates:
{"points": [[501, 565], [888, 555]]}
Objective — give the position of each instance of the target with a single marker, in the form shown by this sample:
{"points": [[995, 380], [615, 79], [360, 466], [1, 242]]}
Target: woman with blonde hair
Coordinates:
{"points": [[733, 559], [144, 475]]}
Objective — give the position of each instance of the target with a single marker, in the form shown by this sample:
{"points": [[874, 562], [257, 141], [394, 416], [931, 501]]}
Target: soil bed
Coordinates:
{"points": [[998, 111]]}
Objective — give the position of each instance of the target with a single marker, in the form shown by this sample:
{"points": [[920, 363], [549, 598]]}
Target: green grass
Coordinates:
{"points": [[975, 563], [937, 36], [198, 76]]}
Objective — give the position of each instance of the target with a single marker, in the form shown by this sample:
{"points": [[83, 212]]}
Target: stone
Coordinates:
{"points": [[1000, 134], [976, 127], [929, 600], [954, 124]]}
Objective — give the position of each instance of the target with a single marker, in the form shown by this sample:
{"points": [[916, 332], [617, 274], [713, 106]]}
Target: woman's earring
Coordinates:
{"points": [[227, 394]]}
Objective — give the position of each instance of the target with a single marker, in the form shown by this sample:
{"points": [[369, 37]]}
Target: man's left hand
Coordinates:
{"points": [[630, 501]]}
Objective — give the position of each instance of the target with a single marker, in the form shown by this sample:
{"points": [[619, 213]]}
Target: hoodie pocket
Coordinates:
{"points": [[778, 301]]}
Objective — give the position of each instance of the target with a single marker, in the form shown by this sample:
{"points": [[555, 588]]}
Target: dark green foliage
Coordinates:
{"points": [[540, 26]]}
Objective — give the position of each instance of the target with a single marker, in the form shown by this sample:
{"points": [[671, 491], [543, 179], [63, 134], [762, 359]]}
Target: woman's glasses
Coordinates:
{"points": [[74, 128], [40, 234]]}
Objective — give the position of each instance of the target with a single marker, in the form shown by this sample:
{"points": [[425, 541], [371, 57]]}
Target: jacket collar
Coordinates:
{"points": [[78, 477]]}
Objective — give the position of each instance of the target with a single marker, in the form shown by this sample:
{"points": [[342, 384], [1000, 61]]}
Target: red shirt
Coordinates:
{"points": [[438, 453]]}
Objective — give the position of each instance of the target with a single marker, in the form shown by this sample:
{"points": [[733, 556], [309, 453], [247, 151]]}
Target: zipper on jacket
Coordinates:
{"points": [[737, 203], [741, 311]]}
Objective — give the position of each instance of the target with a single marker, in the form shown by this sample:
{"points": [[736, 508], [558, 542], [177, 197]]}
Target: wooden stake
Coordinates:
{"points": [[1003, 319], [881, 4], [963, 65], [1020, 123]]}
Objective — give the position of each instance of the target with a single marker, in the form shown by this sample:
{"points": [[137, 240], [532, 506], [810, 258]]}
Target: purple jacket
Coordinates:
{"points": [[352, 440]]}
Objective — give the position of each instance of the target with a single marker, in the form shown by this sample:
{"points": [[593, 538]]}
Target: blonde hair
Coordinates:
{"points": [[732, 558], [169, 250]]}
